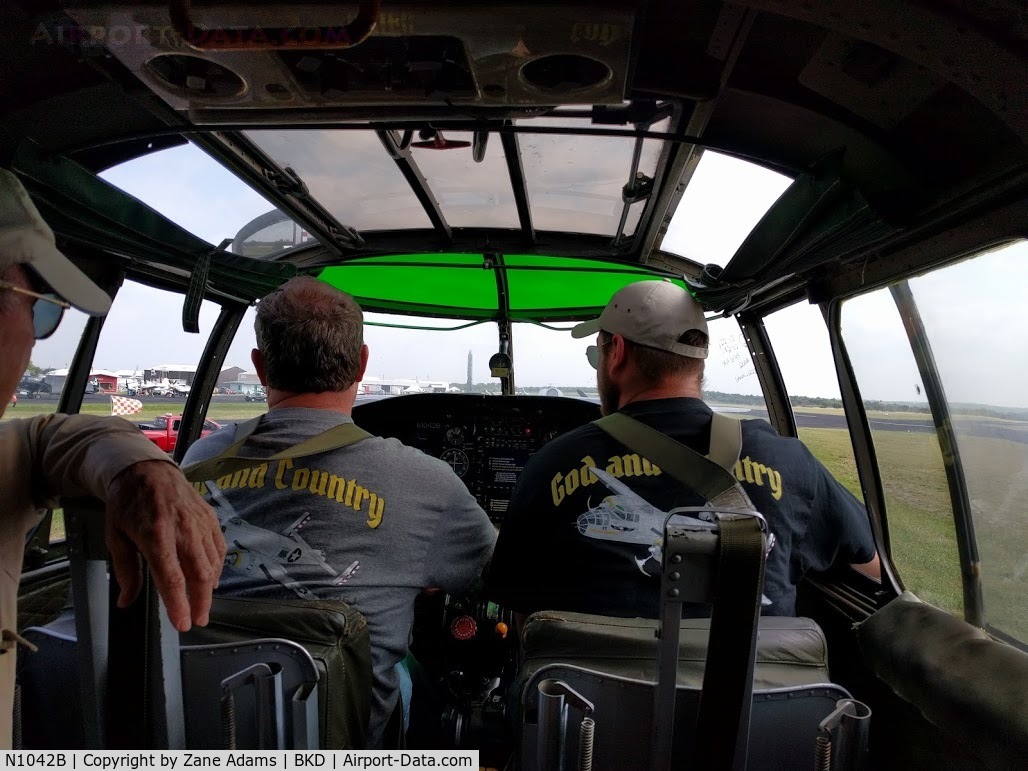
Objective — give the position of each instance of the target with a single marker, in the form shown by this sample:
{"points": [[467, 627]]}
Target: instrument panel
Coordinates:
{"points": [[486, 440]]}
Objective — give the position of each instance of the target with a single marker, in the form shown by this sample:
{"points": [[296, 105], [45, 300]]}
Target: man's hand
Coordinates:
{"points": [[153, 511]]}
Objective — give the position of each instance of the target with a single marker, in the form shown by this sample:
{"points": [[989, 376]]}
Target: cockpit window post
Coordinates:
{"points": [[769, 374], [78, 373], [199, 397], [864, 454], [967, 545], [501, 364]]}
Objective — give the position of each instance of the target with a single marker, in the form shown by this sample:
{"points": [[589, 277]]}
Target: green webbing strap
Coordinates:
{"points": [[698, 473], [228, 462], [727, 695], [725, 441]]}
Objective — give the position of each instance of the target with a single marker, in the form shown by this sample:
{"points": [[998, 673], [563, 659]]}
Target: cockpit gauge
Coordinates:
{"points": [[455, 435], [457, 459]]}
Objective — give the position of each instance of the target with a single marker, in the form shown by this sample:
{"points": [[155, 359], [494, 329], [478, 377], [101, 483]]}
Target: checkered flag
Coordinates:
{"points": [[121, 405]]}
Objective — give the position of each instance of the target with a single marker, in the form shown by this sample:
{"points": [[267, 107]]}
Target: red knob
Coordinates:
{"points": [[463, 628]]}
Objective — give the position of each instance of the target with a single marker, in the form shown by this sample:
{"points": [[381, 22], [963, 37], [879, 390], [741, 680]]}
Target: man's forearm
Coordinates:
{"points": [[873, 569]]}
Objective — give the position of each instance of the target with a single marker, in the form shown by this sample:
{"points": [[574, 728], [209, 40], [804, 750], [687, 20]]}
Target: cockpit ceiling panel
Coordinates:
{"points": [[468, 285], [250, 58]]}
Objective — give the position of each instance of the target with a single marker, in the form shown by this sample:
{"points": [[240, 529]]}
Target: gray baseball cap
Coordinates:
{"points": [[651, 313], [25, 239]]}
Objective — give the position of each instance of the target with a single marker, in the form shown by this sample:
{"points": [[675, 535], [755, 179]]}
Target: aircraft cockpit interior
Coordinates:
{"points": [[842, 189]]}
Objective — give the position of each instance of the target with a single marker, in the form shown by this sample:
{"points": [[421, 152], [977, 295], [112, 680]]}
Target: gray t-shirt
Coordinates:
{"points": [[371, 524]]}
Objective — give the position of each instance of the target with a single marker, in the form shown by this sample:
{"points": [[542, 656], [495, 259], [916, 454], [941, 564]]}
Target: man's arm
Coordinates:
{"points": [[520, 574], [839, 529], [151, 510], [872, 569], [463, 542]]}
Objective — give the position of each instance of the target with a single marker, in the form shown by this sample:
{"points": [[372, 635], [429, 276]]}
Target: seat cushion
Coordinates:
{"points": [[335, 635], [971, 686], [790, 651]]}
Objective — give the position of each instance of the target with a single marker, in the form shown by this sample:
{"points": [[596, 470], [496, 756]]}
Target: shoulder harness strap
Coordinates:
{"points": [[710, 479], [228, 461], [725, 441]]}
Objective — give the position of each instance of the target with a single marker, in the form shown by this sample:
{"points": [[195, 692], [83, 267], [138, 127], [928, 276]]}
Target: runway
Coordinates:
{"points": [[1012, 431]]}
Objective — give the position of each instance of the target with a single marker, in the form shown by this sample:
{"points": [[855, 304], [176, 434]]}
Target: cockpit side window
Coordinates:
{"points": [[803, 351], [943, 349], [142, 330]]}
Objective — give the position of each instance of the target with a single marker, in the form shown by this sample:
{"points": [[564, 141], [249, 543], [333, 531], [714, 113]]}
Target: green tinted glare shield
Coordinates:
{"points": [[471, 286]]}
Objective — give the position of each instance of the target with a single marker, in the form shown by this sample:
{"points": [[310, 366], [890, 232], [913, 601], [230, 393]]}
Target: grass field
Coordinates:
{"points": [[920, 519], [219, 411], [919, 514]]}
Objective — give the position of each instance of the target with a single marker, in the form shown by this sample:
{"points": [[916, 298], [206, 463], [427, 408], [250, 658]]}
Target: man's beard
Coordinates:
{"points": [[610, 395]]}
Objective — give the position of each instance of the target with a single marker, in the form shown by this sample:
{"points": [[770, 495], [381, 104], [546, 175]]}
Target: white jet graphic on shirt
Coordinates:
{"points": [[254, 549], [625, 517]]}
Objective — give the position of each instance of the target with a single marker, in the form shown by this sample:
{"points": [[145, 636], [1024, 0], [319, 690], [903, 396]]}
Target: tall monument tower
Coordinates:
{"points": [[470, 383]]}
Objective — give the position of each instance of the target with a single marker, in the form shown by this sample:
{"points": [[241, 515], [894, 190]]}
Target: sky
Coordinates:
{"points": [[970, 310]]}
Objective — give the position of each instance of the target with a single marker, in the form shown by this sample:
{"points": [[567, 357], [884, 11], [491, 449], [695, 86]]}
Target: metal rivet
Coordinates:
{"points": [[674, 592], [676, 558], [675, 576]]}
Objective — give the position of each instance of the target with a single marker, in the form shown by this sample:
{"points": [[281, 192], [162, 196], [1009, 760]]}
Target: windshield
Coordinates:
{"points": [[573, 182], [197, 193], [968, 311], [724, 201]]}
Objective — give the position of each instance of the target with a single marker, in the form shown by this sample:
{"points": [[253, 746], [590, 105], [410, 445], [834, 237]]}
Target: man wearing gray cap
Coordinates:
{"points": [[649, 357], [151, 510]]}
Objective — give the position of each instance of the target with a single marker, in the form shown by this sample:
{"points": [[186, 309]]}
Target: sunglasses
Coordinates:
{"points": [[47, 310], [592, 353]]}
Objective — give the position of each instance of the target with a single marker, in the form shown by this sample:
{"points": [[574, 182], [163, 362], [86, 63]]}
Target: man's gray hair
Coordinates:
{"points": [[310, 335]]}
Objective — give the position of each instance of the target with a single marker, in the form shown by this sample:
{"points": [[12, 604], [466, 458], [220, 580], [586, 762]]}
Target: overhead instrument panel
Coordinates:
{"points": [[486, 440], [224, 60]]}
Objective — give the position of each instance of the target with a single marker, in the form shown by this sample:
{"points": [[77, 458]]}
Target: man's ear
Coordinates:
{"points": [[364, 363], [258, 364], [617, 353]]}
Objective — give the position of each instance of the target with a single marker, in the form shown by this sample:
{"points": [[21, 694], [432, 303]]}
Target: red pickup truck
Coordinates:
{"points": [[163, 430]]}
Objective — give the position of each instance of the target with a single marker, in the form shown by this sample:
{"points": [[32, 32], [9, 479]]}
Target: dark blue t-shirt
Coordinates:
{"points": [[545, 558]]}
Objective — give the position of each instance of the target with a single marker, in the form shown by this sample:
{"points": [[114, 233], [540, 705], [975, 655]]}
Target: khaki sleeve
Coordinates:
{"points": [[73, 455]]}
